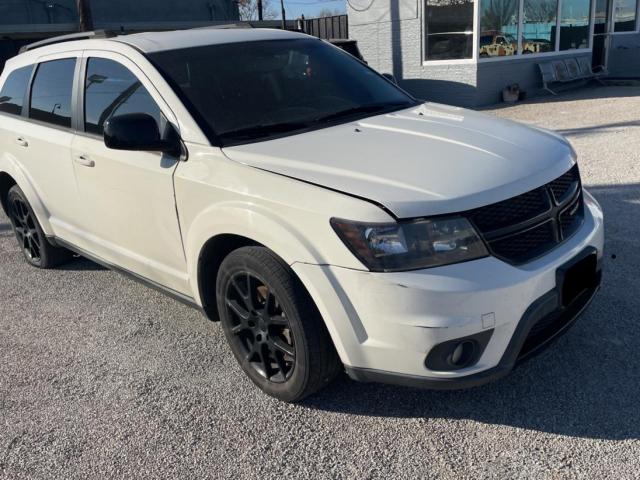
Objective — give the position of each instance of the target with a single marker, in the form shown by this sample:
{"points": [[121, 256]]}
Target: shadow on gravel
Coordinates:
{"points": [[80, 264], [602, 128], [587, 384], [592, 91]]}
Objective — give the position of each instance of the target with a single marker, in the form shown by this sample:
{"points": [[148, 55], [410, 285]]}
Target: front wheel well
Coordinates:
{"points": [[211, 256], [6, 182]]}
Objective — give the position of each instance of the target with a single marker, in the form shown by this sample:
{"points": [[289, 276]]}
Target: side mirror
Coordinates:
{"points": [[138, 131], [390, 77]]}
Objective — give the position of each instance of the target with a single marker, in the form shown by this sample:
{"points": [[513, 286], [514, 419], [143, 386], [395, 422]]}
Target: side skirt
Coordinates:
{"points": [[180, 297]]}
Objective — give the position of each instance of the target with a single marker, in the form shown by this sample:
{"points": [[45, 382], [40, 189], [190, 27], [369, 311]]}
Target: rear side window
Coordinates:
{"points": [[14, 89], [110, 90], [51, 92]]}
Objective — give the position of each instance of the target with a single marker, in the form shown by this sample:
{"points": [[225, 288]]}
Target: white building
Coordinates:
{"points": [[465, 52]]}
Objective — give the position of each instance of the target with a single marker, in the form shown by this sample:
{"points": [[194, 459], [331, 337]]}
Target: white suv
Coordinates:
{"points": [[329, 220]]}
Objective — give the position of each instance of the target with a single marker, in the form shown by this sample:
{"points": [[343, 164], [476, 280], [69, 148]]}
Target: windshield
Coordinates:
{"points": [[253, 91]]}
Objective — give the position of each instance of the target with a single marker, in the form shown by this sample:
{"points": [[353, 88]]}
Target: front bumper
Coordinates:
{"points": [[385, 324], [547, 307]]}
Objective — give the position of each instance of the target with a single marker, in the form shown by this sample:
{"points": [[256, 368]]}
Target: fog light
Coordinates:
{"points": [[458, 353], [463, 353]]}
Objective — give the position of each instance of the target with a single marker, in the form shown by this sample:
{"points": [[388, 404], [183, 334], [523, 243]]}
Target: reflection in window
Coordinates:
{"points": [[600, 19], [13, 90], [624, 15], [51, 92], [539, 26], [449, 28], [110, 90], [498, 28], [574, 24]]}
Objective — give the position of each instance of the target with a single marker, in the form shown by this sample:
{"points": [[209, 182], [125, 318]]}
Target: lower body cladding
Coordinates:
{"points": [[461, 325]]}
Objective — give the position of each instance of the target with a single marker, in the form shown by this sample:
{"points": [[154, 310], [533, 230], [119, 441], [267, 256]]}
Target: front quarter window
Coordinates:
{"points": [[274, 88], [110, 90]]}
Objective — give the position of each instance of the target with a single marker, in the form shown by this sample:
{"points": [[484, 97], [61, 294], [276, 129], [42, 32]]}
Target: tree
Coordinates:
{"points": [[84, 15], [499, 14], [541, 11], [327, 12], [249, 10]]}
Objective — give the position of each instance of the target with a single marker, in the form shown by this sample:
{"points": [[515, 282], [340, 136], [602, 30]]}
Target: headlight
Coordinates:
{"points": [[388, 247]]}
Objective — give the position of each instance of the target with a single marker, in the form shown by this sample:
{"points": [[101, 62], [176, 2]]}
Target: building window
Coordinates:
{"points": [[449, 29], [574, 24], [539, 26], [624, 15], [498, 28]]}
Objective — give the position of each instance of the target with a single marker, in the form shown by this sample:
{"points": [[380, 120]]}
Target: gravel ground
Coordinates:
{"points": [[102, 377]]}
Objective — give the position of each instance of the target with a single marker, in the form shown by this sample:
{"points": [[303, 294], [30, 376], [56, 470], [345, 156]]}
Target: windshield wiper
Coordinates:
{"points": [[264, 130], [371, 108]]}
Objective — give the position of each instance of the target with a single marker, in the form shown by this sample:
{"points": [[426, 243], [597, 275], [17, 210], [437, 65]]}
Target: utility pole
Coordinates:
{"points": [[284, 21], [260, 10], [84, 15]]}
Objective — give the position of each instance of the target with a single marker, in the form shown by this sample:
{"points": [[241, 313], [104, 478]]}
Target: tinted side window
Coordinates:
{"points": [[13, 90], [51, 92], [111, 89]]}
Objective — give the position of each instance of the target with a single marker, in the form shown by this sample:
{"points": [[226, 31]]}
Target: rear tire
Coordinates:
{"points": [[273, 327], [37, 250]]}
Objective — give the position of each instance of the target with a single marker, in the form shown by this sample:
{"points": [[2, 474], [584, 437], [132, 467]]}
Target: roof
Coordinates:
{"points": [[149, 42]]}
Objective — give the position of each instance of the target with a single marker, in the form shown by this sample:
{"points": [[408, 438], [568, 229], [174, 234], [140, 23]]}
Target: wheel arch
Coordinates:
{"points": [[6, 182], [226, 225], [211, 256], [13, 174]]}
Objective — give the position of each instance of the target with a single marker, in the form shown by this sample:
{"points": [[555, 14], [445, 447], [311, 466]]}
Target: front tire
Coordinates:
{"points": [[273, 327], [36, 249]]}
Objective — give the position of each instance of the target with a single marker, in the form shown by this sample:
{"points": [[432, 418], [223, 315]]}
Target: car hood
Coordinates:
{"points": [[427, 160]]}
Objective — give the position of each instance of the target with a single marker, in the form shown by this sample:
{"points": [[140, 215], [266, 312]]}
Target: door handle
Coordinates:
{"points": [[22, 142], [84, 161]]}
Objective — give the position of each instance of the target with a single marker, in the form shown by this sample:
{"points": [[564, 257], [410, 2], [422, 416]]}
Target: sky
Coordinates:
{"points": [[310, 8]]}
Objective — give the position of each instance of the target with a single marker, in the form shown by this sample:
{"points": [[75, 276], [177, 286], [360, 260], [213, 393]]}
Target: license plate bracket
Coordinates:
{"points": [[577, 276]]}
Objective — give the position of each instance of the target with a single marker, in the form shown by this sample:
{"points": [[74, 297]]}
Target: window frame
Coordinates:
{"points": [[458, 61], [612, 20], [476, 34], [26, 108], [25, 96], [557, 52], [135, 71]]}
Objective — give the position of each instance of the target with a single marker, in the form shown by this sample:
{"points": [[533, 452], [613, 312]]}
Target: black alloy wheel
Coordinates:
{"points": [[261, 327], [35, 246], [24, 225], [273, 326]]}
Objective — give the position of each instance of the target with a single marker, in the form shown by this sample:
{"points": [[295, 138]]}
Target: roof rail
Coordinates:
{"points": [[68, 38], [224, 26]]}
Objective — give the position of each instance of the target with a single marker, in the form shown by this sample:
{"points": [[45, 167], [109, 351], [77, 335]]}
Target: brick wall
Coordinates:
{"points": [[395, 46]]}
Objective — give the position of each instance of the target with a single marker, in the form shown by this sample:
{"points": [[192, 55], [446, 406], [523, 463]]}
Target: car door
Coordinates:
{"points": [[127, 197], [40, 138]]}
